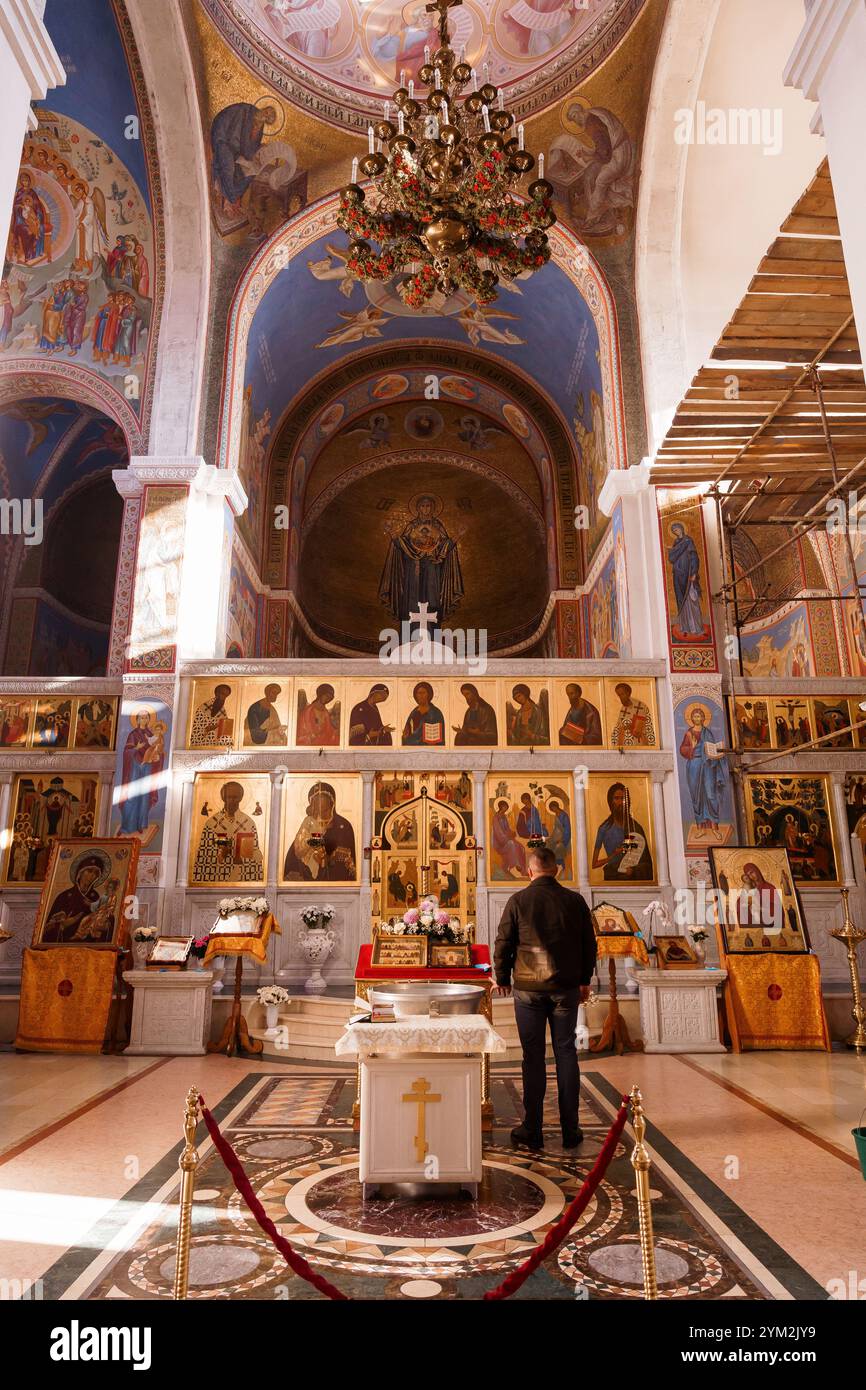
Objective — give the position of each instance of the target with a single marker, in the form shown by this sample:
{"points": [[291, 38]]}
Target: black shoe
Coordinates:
{"points": [[573, 1140], [524, 1140]]}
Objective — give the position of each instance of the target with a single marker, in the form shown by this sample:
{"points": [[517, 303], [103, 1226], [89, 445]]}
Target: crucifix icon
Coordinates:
{"points": [[421, 1096], [441, 8]]}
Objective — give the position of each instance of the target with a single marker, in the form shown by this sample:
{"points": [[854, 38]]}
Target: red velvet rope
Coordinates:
{"points": [[509, 1285], [296, 1262], [556, 1235]]}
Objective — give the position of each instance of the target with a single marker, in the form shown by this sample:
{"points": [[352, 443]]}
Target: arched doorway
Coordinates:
{"points": [[60, 536]]}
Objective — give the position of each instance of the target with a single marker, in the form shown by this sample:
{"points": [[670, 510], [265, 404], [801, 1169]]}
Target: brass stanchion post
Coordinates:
{"points": [[640, 1161], [851, 937], [188, 1164]]}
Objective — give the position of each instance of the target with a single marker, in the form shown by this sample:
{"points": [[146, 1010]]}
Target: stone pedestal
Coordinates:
{"points": [[678, 1010], [170, 1012]]}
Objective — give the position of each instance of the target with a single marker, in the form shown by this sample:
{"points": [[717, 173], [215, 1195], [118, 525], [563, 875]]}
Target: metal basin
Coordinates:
{"points": [[422, 997]]}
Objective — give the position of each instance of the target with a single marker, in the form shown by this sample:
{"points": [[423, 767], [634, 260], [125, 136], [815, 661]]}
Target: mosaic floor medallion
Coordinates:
{"points": [[293, 1134]]}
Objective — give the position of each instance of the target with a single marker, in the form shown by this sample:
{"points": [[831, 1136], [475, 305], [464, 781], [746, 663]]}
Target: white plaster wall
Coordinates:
{"points": [[164, 53], [708, 213]]}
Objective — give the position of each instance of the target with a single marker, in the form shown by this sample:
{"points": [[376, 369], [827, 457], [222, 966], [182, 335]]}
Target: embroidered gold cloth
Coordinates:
{"points": [[244, 944], [65, 999], [774, 1001], [623, 946]]}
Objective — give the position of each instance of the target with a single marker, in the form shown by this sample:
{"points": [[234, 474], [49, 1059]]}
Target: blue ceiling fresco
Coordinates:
{"points": [[78, 439], [312, 316], [98, 90]]}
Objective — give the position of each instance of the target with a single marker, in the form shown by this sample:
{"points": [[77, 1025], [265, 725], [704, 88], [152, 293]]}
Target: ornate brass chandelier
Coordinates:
{"points": [[446, 213]]}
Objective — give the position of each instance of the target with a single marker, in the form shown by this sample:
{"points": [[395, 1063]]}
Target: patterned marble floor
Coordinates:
{"points": [[292, 1131]]}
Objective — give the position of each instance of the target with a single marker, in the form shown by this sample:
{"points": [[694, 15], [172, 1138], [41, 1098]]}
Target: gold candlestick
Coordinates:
{"points": [[852, 936]]}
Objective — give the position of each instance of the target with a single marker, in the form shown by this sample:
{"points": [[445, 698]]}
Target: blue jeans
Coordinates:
{"points": [[533, 1010]]}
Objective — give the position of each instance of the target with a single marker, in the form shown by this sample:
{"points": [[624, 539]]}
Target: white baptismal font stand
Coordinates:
{"points": [[421, 1099]]}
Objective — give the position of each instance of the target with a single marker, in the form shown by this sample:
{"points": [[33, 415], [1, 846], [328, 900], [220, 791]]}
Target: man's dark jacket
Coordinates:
{"points": [[545, 940]]}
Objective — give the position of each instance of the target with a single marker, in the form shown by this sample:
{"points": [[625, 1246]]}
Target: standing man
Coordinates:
{"points": [[545, 946]]}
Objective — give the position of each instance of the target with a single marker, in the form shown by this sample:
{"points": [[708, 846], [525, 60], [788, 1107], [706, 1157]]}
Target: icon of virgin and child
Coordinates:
{"points": [[323, 847], [87, 910]]}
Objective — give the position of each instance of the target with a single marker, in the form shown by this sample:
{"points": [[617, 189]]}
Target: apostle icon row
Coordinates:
{"points": [[57, 722], [283, 712]]}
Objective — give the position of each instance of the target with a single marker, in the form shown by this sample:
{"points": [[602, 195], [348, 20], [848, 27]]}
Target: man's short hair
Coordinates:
{"points": [[543, 859]]}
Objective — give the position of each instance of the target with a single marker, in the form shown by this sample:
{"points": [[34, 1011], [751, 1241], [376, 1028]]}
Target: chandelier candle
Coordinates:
{"points": [[447, 210]]}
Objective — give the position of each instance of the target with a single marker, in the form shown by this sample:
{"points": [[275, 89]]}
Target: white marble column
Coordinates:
{"points": [[479, 784], [661, 828], [828, 66], [631, 488], [175, 555], [581, 849], [29, 67], [274, 827], [840, 811], [368, 779], [184, 828], [103, 820]]}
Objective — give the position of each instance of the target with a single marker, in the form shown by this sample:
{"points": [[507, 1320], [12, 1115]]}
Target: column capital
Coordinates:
{"points": [[818, 42], [623, 482], [202, 478], [23, 28]]}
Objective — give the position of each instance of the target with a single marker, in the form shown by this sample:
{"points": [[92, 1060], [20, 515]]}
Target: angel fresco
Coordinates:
{"points": [[92, 242]]}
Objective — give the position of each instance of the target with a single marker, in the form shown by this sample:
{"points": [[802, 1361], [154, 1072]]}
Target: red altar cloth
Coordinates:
{"points": [[366, 970]]}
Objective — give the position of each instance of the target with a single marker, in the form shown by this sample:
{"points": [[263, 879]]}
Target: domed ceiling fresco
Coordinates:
{"points": [[346, 55]]}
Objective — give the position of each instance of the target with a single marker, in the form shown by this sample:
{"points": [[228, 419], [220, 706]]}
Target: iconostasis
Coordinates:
{"points": [[437, 712]]}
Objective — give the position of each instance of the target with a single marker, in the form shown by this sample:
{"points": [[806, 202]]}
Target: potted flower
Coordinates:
{"points": [[197, 952], [143, 941], [316, 941], [699, 936], [271, 997]]}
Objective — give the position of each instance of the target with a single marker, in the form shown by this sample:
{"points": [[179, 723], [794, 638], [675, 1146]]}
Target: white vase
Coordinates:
{"points": [[631, 983], [581, 1033], [700, 951], [316, 945], [141, 953], [272, 1019], [218, 967]]}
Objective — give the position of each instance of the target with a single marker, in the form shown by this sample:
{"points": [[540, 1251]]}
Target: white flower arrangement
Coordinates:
{"points": [[144, 934], [314, 916], [659, 923], [272, 994], [229, 906]]}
